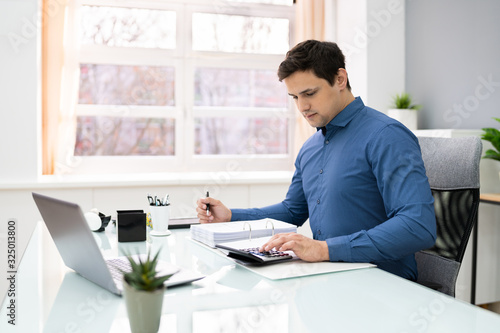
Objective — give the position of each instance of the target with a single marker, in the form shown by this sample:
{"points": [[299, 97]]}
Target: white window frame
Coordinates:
{"points": [[184, 60]]}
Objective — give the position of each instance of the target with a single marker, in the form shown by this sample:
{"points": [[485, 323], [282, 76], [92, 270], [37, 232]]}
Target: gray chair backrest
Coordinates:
{"points": [[452, 167], [451, 163]]}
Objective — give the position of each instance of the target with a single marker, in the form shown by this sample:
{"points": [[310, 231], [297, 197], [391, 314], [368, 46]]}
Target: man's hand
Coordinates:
{"points": [[305, 248], [217, 212]]}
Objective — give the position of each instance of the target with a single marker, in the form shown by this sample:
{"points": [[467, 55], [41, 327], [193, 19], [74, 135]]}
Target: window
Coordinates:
{"points": [[181, 85]]}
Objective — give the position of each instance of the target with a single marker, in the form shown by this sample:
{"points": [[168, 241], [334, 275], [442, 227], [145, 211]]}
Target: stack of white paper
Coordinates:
{"points": [[216, 233]]}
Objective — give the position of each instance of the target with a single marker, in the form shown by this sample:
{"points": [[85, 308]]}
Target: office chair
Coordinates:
{"points": [[452, 166]]}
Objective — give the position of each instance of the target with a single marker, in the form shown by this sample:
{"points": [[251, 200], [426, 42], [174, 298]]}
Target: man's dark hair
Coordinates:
{"points": [[323, 58]]}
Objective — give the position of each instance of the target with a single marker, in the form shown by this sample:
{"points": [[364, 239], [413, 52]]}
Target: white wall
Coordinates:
{"points": [[452, 62], [352, 40], [19, 129], [386, 51], [372, 36], [18, 116]]}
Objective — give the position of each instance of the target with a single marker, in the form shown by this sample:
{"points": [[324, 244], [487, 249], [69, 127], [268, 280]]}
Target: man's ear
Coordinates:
{"points": [[342, 78]]}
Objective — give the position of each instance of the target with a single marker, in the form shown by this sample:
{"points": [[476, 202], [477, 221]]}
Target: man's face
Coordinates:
{"points": [[316, 99]]}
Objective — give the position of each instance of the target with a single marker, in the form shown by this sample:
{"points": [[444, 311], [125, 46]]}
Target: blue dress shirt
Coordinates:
{"points": [[361, 182]]}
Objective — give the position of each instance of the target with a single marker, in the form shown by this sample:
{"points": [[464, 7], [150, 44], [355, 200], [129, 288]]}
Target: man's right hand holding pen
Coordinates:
{"points": [[216, 213]]}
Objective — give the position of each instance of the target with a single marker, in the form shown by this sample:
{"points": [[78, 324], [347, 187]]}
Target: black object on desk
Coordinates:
{"points": [[131, 225], [104, 221], [254, 256]]}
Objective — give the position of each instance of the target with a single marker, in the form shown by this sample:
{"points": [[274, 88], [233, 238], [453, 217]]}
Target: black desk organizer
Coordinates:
{"points": [[131, 225]]}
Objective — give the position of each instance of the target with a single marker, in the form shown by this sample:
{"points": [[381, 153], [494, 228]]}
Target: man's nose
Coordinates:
{"points": [[303, 105]]}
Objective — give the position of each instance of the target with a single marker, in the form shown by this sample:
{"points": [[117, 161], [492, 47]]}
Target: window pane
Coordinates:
{"points": [[241, 136], [239, 88], [127, 27], [116, 136], [242, 34], [126, 85]]}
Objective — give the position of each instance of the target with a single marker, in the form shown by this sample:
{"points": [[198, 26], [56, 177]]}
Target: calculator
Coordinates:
{"points": [[254, 256]]}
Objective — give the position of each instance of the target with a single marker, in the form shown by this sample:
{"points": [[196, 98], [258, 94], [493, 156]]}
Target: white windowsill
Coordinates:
{"points": [[153, 179]]}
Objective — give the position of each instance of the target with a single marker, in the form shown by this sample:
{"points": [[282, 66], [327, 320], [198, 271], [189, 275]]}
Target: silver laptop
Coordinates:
{"points": [[76, 244]]}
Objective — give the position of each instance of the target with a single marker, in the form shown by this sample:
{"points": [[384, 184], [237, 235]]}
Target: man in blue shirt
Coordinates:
{"points": [[360, 179]]}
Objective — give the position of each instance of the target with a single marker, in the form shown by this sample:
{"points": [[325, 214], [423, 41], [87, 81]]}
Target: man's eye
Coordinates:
{"points": [[310, 94]]}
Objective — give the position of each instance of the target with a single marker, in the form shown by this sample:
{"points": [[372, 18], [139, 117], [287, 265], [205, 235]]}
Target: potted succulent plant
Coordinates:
{"points": [[143, 292], [492, 135], [404, 111]]}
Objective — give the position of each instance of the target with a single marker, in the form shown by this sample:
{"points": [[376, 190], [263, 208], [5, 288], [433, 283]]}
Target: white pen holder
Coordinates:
{"points": [[160, 216]]}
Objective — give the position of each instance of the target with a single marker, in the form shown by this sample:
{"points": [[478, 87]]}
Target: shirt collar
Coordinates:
{"points": [[344, 116]]}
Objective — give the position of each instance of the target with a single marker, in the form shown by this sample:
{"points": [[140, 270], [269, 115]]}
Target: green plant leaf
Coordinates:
{"points": [[492, 135], [404, 101], [158, 282], [491, 154], [143, 275]]}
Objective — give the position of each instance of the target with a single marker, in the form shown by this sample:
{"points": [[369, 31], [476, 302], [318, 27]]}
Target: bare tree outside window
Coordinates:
{"points": [[126, 85], [238, 88], [241, 136], [216, 88], [127, 27], [120, 136], [232, 33], [219, 87], [130, 86]]}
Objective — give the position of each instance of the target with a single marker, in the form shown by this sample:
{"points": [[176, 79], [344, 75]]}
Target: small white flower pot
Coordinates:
{"points": [[143, 308], [407, 117]]}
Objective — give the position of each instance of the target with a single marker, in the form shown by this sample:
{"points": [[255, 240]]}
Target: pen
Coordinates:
{"points": [[208, 205]]}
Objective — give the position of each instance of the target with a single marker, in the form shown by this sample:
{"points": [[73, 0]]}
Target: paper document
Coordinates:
{"points": [[216, 233], [298, 268]]}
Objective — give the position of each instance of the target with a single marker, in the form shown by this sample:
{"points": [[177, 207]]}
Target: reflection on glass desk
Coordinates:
{"points": [[53, 298]]}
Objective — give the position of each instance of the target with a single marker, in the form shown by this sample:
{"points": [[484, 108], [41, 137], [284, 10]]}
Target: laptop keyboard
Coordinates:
{"points": [[117, 266]]}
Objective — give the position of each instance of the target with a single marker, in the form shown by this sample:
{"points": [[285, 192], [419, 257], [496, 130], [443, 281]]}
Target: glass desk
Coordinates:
{"points": [[52, 298]]}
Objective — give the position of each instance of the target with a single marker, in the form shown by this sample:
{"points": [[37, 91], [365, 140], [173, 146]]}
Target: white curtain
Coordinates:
{"points": [[314, 19], [53, 18], [59, 86]]}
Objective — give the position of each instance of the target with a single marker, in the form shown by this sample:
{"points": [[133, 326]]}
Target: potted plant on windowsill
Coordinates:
{"points": [[404, 111], [143, 292]]}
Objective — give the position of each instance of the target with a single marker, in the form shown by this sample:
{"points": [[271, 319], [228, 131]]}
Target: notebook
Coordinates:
{"points": [[212, 234], [79, 251]]}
